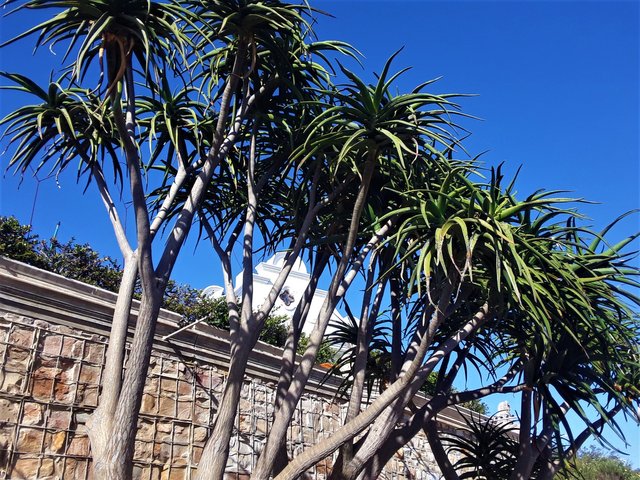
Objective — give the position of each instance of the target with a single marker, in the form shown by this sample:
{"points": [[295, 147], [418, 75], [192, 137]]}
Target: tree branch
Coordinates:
{"points": [[367, 417]]}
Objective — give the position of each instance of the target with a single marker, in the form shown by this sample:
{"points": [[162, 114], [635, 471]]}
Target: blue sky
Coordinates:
{"points": [[557, 87]]}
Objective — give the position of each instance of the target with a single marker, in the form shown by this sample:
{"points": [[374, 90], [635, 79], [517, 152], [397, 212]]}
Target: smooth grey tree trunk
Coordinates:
{"points": [[116, 459]]}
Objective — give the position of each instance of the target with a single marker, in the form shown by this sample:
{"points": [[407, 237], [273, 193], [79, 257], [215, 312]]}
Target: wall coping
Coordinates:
{"points": [[32, 292]]}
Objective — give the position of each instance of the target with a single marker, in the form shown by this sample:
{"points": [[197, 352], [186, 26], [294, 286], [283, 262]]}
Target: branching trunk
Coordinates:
{"points": [[101, 421], [116, 461], [297, 323], [385, 423], [213, 158], [403, 435], [526, 456], [220, 147], [284, 414], [368, 316], [308, 359], [100, 425], [119, 413], [216, 451], [369, 415]]}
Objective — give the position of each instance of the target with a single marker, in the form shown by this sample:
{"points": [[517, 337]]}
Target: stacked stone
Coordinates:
{"points": [[49, 386], [49, 383]]}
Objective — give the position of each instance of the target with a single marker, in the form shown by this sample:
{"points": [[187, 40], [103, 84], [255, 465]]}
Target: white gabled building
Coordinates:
{"points": [[264, 277]]}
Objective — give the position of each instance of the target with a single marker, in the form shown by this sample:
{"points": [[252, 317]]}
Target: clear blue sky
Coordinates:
{"points": [[558, 92]]}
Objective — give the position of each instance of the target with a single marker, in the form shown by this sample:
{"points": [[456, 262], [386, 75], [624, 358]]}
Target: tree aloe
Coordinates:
{"points": [[226, 114]]}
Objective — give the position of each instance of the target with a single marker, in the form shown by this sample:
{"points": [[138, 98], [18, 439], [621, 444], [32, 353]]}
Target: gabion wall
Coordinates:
{"points": [[49, 384]]}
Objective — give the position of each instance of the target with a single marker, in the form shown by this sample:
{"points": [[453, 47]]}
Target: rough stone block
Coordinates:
{"points": [[167, 385], [184, 410], [12, 382], [143, 451], [199, 434], [29, 440], [87, 394], [244, 446], [167, 407], [331, 408], [145, 430], [262, 425], [55, 442], [17, 358], [58, 419], [196, 454], [46, 369], [245, 423], [180, 454], [148, 404], [162, 451], [154, 473], [203, 379], [72, 469], [245, 405], [163, 427], [89, 374], [64, 392], [174, 473], [138, 473], [237, 476], [51, 345], [8, 411], [170, 367], [185, 390], [7, 433], [181, 433], [32, 413], [72, 348], [32, 468], [42, 388], [259, 395], [70, 370], [324, 466], [151, 385], [201, 414], [217, 382], [155, 366], [21, 336], [94, 353], [78, 445]]}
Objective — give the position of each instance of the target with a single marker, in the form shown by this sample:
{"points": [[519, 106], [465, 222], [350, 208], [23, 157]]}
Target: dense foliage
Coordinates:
{"points": [[596, 464], [70, 259], [17, 242]]}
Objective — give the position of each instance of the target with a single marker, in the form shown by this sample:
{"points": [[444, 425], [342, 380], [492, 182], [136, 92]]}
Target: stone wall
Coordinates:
{"points": [[49, 386], [52, 346]]}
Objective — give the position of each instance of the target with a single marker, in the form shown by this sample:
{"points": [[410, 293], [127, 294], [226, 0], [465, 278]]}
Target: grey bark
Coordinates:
{"points": [[362, 354], [283, 416], [526, 457], [101, 421], [115, 459], [244, 336], [384, 425], [362, 421]]}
